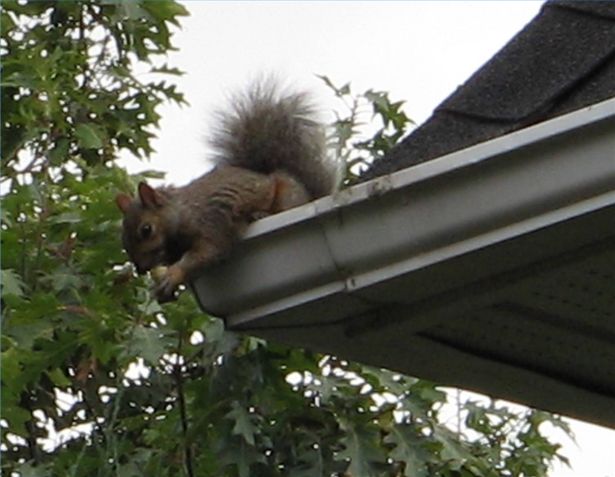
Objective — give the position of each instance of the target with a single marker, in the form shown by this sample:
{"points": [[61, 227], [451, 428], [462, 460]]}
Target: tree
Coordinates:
{"points": [[97, 378]]}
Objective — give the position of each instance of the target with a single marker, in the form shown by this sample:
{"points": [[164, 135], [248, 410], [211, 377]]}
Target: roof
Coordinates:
{"points": [[489, 269], [486, 260], [563, 60]]}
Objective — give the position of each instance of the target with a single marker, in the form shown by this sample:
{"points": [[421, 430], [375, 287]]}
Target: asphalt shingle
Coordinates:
{"points": [[563, 60]]}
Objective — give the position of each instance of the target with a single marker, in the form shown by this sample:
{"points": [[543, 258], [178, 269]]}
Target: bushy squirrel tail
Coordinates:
{"points": [[266, 130]]}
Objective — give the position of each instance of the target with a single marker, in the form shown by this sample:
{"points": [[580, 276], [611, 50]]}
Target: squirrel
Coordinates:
{"points": [[269, 156]]}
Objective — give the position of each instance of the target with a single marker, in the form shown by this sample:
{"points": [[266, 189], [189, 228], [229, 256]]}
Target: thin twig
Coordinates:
{"points": [[182, 409]]}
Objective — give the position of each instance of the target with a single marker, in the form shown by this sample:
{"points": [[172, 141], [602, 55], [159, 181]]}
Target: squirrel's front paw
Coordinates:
{"points": [[168, 284]]}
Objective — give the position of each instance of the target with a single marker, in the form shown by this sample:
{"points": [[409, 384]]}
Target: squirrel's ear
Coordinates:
{"points": [[150, 196], [123, 202]]}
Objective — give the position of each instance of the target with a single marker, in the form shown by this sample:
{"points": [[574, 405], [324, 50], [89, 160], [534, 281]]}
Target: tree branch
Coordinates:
{"points": [[182, 409]]}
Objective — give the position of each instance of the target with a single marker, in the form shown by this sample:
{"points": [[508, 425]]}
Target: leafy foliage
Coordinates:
{"points": [[367, 127], [97, 378]]}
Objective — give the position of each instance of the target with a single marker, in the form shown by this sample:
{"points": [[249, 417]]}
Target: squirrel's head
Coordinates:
{"points": [[144, 230]]}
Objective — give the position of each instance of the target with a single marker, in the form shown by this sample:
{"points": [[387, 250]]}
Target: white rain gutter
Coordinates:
{"points": [[321, 262]]}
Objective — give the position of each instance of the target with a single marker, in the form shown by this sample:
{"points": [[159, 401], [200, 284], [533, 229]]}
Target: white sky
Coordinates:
{"points": [[418, 51]]}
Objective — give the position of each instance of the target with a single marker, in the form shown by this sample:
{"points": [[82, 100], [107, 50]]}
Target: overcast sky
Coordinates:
{"points": [[418, 51]]}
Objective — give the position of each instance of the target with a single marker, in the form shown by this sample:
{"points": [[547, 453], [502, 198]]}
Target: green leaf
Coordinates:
{"points": [[242, 456], [26, 331], [168, 70], [12, 284], [60, 152], [361, 449], [243, 425], [67, 218], [166, 11], [14, 414], [408, 448], [58, 378], [147, 343], [452, 452], [89, 136], [130, 9], [30, 470]]}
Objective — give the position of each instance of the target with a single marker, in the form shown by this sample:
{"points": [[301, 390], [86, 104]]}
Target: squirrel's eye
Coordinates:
{"points": [[145, 231]]}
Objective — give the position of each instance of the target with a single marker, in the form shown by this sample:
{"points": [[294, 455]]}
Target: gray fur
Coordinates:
{"points": [[268, 130]]}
